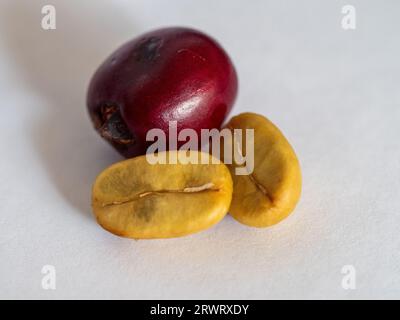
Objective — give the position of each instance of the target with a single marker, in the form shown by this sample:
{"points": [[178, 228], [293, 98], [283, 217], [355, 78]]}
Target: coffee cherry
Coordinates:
{"points": [[171, 74]]}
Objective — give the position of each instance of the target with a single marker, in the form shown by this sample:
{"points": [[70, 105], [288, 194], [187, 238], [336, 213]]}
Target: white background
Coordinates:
{"points": [[334, 93]]}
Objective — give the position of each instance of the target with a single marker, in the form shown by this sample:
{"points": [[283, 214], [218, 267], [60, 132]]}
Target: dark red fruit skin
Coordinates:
{"points": [[168, 74]]}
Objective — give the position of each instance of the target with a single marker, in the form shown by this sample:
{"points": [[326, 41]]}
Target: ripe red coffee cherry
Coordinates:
{"points": [[170, 74]]}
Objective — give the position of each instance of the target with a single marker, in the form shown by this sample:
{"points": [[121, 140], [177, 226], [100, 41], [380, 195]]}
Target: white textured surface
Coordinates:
{"points": [[334, 93]]}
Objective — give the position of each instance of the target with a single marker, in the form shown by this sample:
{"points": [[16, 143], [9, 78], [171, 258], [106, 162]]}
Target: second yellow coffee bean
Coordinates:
{"points": [[271, 191]]}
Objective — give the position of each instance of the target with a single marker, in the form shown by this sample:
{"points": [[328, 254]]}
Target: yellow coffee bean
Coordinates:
{"points": [[272, 190], [139, 200]]}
